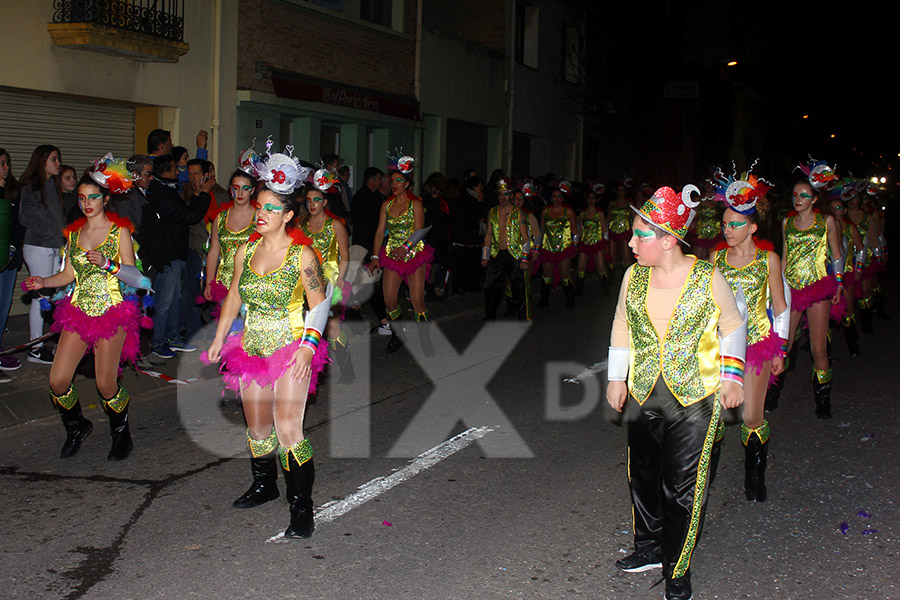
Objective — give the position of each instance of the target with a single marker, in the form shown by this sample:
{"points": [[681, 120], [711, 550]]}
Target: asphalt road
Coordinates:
{"points": [[535, 508]]}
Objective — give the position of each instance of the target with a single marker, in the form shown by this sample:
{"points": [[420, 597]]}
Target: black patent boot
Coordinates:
{"points": [[851, 335], [822, 390], [579, 285], [569, 291], [756, 451], [342, 357], [424, 330], [545, 294], [299, 475], [396, 342], [116, 409], [864, 309], [604, 283], [77, 427], [264, 467], [878, 303]]}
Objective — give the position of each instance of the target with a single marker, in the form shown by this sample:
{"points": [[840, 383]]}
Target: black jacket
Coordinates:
{"points": [[165, 223], [366, 209]]}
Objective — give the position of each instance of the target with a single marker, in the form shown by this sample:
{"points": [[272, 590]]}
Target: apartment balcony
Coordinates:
{"points": [[144, 30]]}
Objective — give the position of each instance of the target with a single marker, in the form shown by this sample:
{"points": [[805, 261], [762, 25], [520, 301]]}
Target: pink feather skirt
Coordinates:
{"points": [[125, 315], [408, 267], [818, 291]]}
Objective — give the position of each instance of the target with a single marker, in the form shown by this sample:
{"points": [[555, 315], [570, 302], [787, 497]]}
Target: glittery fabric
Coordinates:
{"points": [[229, 243], [822, 375], [762, 432], [806, 251], [95, 289], [591, 229], [326, 244], [689, 357], [399, 229], [720, 431], [557, 233], [754, 281], [620, 219], [514, 239], [262, 447], [67, 400], [274, 303], [302, 452], [708, 225], [118, 402]]}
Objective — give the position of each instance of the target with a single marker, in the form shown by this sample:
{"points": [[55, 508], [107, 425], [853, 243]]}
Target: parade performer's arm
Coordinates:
{"points": [[212, 259], [733, 345], [573, 225], [230, 307], [319, 299], [781, 307], [833, 231], [379, 238], [619, 352], [343, 240], [525, 262], [61, 279], [486, 244]]}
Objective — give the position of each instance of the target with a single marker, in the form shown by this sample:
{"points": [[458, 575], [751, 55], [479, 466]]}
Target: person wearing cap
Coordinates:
{"points": [[505, 254], [97, 315], [559, 245], [675, 360]]}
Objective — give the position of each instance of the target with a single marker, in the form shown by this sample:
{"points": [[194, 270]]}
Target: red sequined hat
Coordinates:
{"points": [[669, 211]]}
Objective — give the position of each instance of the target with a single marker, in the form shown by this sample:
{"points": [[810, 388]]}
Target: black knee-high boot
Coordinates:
{"points": [[851, 335], [864, 308], [821, 381], [424, 327], [396, 342], [878, 303], [299, 475], [264, 467], [579, 283], [116, 409], [341, 351], [77, 427], [756, 453], [545, 293], [569, 291]]}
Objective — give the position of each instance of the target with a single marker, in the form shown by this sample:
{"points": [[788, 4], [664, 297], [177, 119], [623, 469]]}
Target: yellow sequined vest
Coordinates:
{"points": [[688, 357], [513, 233], [326, 243], [95, 289], [754, 280], [806, 252]]}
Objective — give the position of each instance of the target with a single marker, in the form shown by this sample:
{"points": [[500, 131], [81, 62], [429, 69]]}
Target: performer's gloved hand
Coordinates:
{"points": [[732, 394], [617, 393]]}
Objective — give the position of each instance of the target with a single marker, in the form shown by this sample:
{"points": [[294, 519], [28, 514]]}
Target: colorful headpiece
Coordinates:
{"points": [[598, 188], [282, 173], [528, 189], [248, 159], [564, 186], [820, 175], [112, 174], [503, 185], [324, 179], [740, 193], [669, 211], [847, 187], [401, 162]]}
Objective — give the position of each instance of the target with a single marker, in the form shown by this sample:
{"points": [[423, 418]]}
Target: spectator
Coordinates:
{"points": [[181, 157], [11, 234], [466, 214], [366, 207], [335, 198], [68, 181], [131, 204], [159, 143], [41, 213], [344, 188], [437, 216], [165, 225]]}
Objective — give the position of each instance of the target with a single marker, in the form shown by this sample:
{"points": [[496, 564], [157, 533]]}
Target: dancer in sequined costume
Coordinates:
{"points": [[558, 248], [275, 360], [707, 229], [619, 223], [853, 250], [505, 254], [592, 248], [753, 269], [97, 316], [814, 269], [868, 265], [676, 356], [231, 228]]}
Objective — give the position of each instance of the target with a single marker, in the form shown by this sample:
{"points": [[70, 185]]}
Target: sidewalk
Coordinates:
{"points": [[26, 397]]}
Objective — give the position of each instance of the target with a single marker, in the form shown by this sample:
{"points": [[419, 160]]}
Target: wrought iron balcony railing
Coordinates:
{"points": [[158, 18]]}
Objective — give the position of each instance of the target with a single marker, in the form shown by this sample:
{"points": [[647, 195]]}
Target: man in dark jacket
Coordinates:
{"points": [[165, 224], [365, 211]]}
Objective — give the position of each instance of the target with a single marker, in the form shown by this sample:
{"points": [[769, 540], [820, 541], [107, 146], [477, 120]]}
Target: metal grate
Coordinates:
{"points": [[159, 18]]}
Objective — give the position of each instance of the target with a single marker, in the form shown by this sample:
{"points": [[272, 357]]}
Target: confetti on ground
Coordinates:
{"points": [[845, 528], [863, 514], [869, 531], [386, 523], [866, 438]]}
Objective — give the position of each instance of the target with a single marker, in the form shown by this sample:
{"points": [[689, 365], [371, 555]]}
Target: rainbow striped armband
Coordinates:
{"points": [[110, 267], [733, 369], [311, 338]]}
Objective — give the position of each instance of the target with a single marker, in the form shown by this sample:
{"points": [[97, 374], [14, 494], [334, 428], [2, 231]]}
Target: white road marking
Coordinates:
{"points": [[332, 510], [589, 372]]}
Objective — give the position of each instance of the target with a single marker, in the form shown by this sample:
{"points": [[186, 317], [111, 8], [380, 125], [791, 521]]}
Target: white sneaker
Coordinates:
{"points": [[384, 329]]}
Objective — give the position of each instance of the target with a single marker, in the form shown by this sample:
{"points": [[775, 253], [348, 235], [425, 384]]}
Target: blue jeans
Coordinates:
{"points": [[7, 287], [190, 310], [167, 303]]}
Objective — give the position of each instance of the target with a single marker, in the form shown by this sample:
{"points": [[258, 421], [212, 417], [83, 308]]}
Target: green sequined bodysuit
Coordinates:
{"points": [[708, 226], [326, 244], [592, 229], [399, 229], [806, 252], [229, 242], [557, 232], [754, 280], [95, 289]]}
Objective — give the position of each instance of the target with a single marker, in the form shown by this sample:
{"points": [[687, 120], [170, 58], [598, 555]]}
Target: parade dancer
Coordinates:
{"points": [[677, 356], [853, 251], [592, 248], [505, 254], [96, 316], [751, 267], [559, 246], [814, 269], [620, 230], [403, 255], [707, 232], [520, 196], [329, 236], [276, 359], [868, 266]]}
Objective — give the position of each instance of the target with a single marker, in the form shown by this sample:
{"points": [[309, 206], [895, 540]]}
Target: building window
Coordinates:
{"points": [[376, 11], [527, 20]]}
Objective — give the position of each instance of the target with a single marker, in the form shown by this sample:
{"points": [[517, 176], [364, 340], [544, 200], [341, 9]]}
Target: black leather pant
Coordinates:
{"points": [[669, 448], [501, 269]]}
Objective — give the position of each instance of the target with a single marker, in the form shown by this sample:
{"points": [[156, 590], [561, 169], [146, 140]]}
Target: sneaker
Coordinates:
{"points": [[4, 378], [384, 329], [181, 346], [41, 355], [679, 588], [640, 561], [9, 363], [163, 351]]}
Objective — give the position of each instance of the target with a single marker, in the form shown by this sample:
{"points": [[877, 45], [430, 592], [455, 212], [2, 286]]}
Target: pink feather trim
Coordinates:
{"points": [[218, 293], [870, 271], [545, 256], [237, 365], [766, 349], [125, 314], [591, 249], [805, 297], [406, 268], [838, 311]]}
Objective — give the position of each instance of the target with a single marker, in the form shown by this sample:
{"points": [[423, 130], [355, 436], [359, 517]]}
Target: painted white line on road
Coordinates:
{"points": [[589, 372], [332, 510]]}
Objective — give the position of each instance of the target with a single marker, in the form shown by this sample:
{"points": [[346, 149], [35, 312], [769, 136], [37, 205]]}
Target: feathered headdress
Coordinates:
{"points": [[113, 174], [282, 173], [740, 193], [401, 162], [821, 176], [248, 158], [324, 179]]}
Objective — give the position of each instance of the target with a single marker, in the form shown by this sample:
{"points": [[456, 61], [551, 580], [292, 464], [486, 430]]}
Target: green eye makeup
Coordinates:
{"points": [[272, 207], [82, 197], [733, 224], [644, 235]]}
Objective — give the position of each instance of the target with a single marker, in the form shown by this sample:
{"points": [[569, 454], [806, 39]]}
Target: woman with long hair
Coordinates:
{"points": [[619, 220], [853, 250], [10, 252], [275, 361], [559, 246], [41, 213], [404, 256], [813, 268], [97, 316], [752, 268]]}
